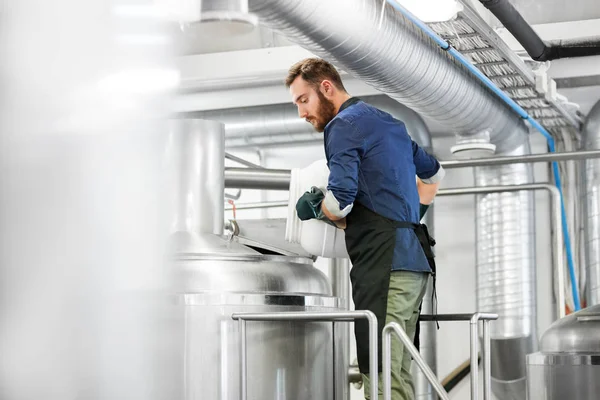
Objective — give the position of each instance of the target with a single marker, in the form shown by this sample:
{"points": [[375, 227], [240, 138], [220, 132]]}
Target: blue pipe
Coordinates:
{"points": [[522, 113]]}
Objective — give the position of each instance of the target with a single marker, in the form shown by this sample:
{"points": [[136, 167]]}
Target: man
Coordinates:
{"points": [[372, 193]]}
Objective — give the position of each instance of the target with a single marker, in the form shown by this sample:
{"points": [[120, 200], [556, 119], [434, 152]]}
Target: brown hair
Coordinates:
{"points": [[314, 71]]}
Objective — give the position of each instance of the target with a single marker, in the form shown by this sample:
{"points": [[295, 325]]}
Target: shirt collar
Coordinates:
{"points": [[351, 101]]}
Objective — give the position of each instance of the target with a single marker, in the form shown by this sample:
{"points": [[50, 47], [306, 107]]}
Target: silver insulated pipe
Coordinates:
{"points": [[506, 272], [396, 58], [591, 177]]}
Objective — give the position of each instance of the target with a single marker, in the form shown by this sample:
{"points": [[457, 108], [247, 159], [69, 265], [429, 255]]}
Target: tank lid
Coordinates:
{"points": [[574, 334]]}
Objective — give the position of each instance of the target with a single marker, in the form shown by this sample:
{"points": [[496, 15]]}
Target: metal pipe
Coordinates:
{"points": [[328, 316], [427, 334], [339, 273], [238, 160], [556, 222], [591, 219], [487, 362], [473, 354], [559, 266], [457, 317], [393, 327], [248, 178], [354, 375], [530, 158], [537, 49], [243, 366], [278, 179], [195, 164]]}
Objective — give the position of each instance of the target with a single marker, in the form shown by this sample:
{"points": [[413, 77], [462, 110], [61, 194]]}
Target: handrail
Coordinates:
{"points": [[332, 316], [555, 222], [473, 321], [387, 361]]}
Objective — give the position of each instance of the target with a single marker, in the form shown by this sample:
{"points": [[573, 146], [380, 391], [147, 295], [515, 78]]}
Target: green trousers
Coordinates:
{"points": [[405, 293]]}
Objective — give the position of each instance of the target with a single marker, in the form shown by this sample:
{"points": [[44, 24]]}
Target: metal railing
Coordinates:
{"points": [[473, 319], [555, 223], [335, 316]]}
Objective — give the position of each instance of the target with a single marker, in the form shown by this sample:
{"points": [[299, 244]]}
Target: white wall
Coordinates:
{"points": [[455, 236]]}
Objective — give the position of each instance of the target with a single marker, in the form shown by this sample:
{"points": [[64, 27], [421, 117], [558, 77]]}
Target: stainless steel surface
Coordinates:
{"points": [[356, 42], [576, 333], [354, 375], [473, 351], [591, 218], [339, 275], [555, 222], [267, 179], [214, 286], [568, 364], [529, 158], [487, 365], [393, 327], [334, 317], [473, 344], [242, 161], [195, 171], [243, 362], [577, 379], [266, 234], [505, 243], [256, 299], [277, 275], [428, 334], [254, 180], [458, 317], [215, 277], [573, 360], [259, 204]]}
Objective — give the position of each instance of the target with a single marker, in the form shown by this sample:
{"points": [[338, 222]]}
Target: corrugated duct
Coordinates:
{"points": [[591, 176]]}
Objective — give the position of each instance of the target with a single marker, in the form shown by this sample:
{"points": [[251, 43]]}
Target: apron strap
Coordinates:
{"points": [[427, 243]]}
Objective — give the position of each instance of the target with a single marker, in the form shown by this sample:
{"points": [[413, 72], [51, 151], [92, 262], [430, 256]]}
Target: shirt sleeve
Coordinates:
{"points": [[345, 147], [428, 168]]}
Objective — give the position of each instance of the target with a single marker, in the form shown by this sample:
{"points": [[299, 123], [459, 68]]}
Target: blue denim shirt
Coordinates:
{"points": [[373, 160]]}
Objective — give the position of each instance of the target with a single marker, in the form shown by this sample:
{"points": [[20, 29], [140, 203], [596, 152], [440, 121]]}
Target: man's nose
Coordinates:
{"points": [[302, 112]]}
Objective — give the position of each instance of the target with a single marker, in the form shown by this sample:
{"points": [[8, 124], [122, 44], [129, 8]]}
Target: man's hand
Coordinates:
{"points": [[311, 206], [427, 191]]}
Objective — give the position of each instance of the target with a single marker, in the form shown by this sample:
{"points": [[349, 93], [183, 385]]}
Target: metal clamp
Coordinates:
{"points": [[341, 316], [474, 322]]}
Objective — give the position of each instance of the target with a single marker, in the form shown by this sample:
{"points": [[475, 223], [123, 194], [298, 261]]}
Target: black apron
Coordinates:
{"points": [[370, 241]]}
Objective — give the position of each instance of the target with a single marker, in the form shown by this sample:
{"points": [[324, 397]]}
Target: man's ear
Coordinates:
{"points": [[326, 88]]}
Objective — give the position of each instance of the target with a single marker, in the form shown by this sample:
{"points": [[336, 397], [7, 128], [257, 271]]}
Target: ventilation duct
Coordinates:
{"points": [[591, 141], [506, 272], [396, 58], [235, 11]]}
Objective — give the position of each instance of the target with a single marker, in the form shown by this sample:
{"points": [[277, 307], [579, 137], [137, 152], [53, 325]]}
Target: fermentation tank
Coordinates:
{"points": [[215, 276], [568, 363]]}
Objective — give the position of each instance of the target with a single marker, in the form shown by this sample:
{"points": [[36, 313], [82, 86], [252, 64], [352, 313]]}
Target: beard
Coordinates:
{"points": [[325, 114]]}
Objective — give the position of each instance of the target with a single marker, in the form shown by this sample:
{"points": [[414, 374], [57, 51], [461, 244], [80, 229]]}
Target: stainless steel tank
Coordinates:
{"points": [[213, 277], [568, 363], [286, 360]]}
